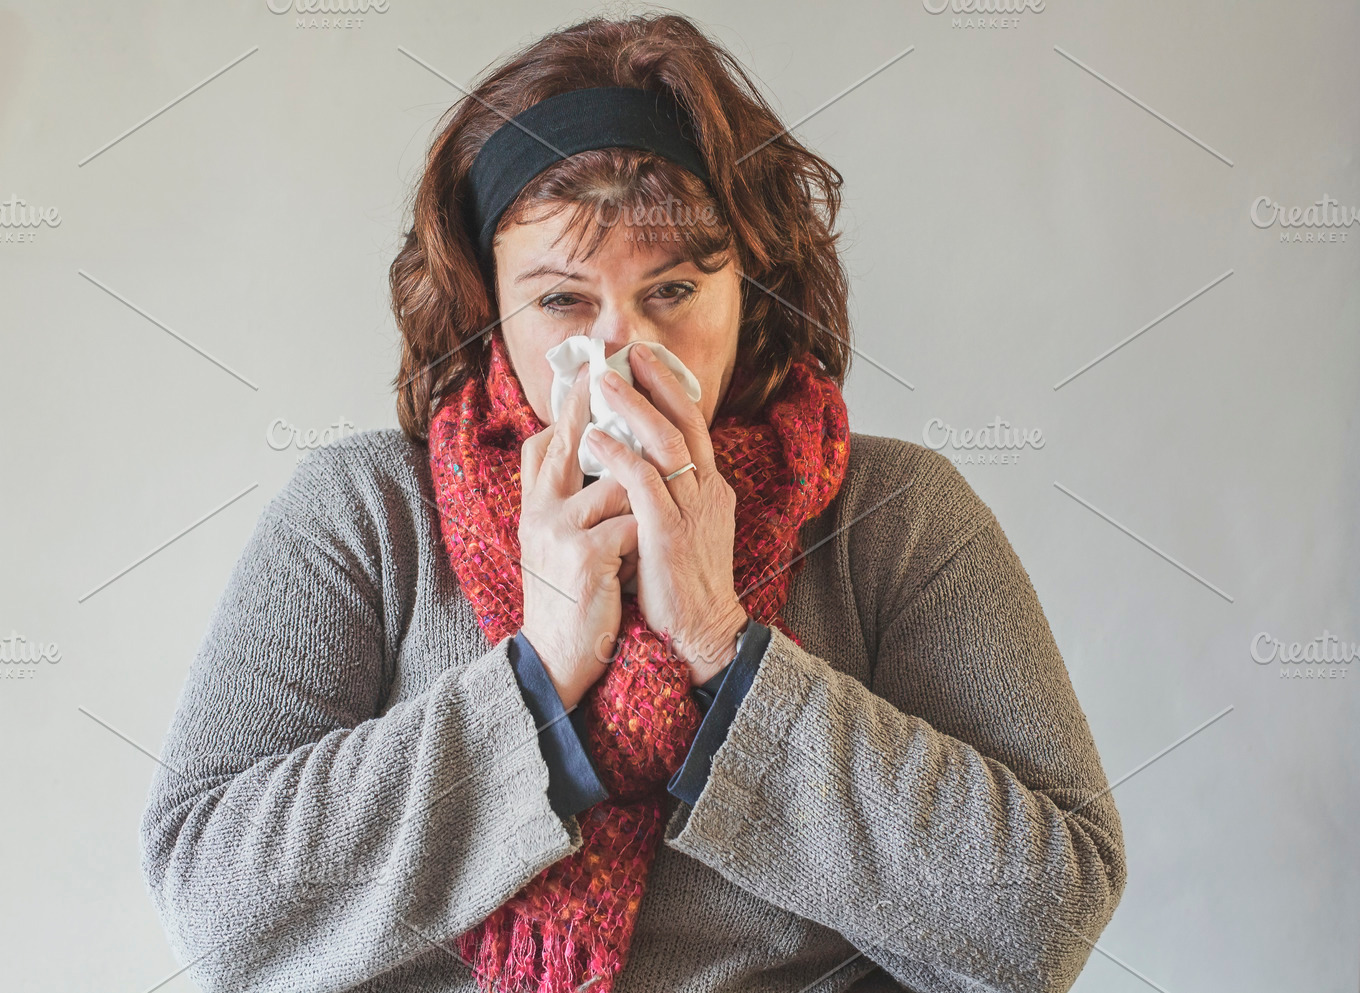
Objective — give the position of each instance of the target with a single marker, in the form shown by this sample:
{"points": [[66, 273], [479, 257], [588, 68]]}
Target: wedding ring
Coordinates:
{"points": [[682, 469]]}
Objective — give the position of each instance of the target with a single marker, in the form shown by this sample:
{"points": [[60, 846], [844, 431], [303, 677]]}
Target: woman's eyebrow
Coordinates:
{"points": [[548, 270], [670, 263]]}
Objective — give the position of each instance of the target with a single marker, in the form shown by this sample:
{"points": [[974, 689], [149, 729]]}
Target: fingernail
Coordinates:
{"points": [[647, 354]]}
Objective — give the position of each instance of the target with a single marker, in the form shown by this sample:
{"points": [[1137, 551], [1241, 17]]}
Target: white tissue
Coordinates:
{"points": [[568, 356]]}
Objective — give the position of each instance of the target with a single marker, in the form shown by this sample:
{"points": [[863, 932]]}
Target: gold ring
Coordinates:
{"points": [[682, 469]]}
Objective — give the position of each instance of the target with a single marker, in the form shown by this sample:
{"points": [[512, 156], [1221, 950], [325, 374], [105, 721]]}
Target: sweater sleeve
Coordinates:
{"points": [[951, 820], [296, 836]]}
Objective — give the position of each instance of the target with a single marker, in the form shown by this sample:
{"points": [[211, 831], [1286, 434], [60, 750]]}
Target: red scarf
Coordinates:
{"points": [[573, 922]]}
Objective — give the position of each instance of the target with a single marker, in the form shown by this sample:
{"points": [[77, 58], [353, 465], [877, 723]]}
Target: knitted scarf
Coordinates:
{"points": [[572, 923]]}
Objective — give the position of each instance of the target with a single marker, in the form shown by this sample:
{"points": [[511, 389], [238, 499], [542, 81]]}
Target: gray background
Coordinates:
{"points": [[1010, 216]]}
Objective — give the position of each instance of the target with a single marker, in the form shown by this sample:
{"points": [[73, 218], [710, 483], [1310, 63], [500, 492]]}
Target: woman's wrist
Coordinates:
{"points": [[567, 691], [569, 695], [709, 661]]}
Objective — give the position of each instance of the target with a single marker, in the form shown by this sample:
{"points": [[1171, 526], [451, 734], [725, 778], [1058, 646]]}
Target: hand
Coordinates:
{"points": [[573, 541], [685, 527]]}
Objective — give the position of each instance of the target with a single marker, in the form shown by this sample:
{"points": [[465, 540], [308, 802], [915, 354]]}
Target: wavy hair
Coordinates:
{"points": [[774, 200]]}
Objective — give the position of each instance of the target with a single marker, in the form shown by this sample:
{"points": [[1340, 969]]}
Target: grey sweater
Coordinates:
{"points": [[910, 800]]}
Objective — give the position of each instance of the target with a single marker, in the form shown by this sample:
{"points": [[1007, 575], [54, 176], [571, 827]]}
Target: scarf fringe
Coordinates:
{"points": [[522, 955]]}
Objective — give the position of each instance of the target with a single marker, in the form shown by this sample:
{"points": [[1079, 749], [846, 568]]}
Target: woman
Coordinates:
{"points": [[432, 740]]}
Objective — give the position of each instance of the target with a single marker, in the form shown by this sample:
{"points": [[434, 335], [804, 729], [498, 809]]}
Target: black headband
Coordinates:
{"points": [[563, 125]]}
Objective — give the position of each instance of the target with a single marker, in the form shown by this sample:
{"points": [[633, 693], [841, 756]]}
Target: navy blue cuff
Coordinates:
{"points": [[706, 691], [573, 783], [728, 689]]}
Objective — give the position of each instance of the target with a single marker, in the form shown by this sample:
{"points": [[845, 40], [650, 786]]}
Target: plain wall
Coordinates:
{"points": [[1009, 217]]}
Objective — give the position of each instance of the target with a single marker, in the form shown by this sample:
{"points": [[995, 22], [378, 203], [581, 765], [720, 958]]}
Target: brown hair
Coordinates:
{"points": [[776, 208]]}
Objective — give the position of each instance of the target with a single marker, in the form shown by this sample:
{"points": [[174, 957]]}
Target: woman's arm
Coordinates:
{"points": [[301, 841], [926, 817]]}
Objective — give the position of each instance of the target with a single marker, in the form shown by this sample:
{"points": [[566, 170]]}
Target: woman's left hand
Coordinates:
{"points": [[686, 527]]}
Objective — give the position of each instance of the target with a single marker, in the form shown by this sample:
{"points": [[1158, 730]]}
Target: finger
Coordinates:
{"points": [[670, 399], [594, 503], [664, 442], [534, 451], [561, 468], [531, 458], [651, 501], [619, 535]]}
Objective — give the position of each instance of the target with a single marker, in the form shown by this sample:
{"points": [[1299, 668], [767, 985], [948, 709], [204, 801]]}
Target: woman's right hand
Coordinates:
{"points": [[573, 541]]}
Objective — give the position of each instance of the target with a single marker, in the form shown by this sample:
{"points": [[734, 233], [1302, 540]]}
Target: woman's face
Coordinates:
{"points": [[628, 290]]}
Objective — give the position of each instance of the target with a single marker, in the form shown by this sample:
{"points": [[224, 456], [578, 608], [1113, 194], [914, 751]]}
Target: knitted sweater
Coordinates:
{"points": [[910, 800]]}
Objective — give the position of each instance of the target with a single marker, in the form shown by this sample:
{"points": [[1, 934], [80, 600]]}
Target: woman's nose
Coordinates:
{"points": [[618, 329]]}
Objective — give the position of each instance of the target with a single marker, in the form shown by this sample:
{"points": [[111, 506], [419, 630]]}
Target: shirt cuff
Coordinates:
{"points": [[724, 693], [573, 782]]}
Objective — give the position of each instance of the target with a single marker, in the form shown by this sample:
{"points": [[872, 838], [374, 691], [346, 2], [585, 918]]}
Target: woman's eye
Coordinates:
{"points": [[557, 301], [674, 291]]}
